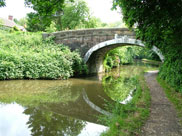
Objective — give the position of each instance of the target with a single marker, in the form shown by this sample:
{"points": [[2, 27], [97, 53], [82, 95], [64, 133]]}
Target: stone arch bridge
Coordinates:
{"points": [[93, 44]]}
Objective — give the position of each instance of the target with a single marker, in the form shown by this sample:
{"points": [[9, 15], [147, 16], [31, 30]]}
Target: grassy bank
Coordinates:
{"points": [[128, 119], [174, 96], [25, 55]]}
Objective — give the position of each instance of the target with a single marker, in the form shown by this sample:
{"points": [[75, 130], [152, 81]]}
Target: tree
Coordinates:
{"points": [[45, 13], [73, 15], [37, 23], [155, 20], [158, 23], [51, 28], [76, 15], [45, 7], [22, 21], [2, 3]]}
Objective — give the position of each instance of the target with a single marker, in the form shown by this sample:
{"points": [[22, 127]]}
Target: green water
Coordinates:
{"points": [[62, 108]]}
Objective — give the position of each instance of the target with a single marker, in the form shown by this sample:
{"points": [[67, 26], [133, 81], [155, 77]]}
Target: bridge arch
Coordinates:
{"points": [[93, 44], [95, 55]]}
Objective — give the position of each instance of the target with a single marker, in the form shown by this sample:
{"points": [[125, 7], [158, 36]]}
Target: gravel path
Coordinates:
{"points": [[163, 119]]}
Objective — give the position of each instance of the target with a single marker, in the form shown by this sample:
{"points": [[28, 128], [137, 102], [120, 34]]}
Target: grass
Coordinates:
{"points": [[174, 96], [128, 119]]}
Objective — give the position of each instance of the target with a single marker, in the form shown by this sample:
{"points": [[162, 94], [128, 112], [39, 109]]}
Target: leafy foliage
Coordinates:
{"points": [[126, 55], [72, 15], [26, 55], [45, 11], [2, 3], [76, 15], [21, 22], [51, 28], [36, 23], [45, 7], [158, 23]]}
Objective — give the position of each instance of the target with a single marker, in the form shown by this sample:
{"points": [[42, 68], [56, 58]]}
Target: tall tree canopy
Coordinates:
{"points": [[159, 23], [45, 7], [76, 15], [156, 20], [72, 15], [45, 12], [2, 3]]}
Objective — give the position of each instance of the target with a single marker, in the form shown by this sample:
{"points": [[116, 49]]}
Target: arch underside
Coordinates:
{"points": [[95, 55]]}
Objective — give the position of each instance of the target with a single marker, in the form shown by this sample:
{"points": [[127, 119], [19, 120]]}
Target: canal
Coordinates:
{"points": [[64, 107]]}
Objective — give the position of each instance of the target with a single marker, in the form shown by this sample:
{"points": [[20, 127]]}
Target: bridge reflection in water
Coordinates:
{"points": [[56, 108]]}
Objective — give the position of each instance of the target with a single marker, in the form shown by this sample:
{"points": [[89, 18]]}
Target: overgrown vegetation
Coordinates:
{"points": [[127, 120], [126, 55], [174, 96], [2, 3], [28, 56], [158, 23], [171, 70]]}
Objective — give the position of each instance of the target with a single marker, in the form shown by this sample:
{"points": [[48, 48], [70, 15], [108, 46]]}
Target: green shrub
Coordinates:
{"points": [[51, 28], [15, 28], [171, 69], [126, 55], [28, 56]]}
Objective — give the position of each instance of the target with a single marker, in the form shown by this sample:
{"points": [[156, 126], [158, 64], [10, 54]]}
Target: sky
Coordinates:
{"points": [[102, 10], [98, 8], [15, 8]]}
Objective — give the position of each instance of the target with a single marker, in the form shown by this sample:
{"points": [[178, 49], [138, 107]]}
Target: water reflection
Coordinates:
{"points": [[93, 106], [51, 108], [62, 108], [47, 123], [34, 92], [13, 121], [18, 121], [119, 86]]}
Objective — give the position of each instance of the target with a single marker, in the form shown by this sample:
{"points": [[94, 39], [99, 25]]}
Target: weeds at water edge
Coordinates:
{"points": [[127, 120]]}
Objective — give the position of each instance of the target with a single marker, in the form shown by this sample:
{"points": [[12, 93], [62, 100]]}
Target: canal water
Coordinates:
{"points": [[63, 107]]}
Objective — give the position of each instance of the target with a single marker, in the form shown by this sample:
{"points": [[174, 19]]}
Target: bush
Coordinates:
{"points": [[171, 69], [51, 28], [27, 56], [15, 28], [126, 55]]}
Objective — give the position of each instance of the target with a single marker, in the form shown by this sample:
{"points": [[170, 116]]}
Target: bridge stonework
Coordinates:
{"points": [[93, 44], [85, 39]]}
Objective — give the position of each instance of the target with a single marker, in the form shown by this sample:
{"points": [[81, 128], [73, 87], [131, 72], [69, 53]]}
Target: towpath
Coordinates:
{"points": [[163, 118]]}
